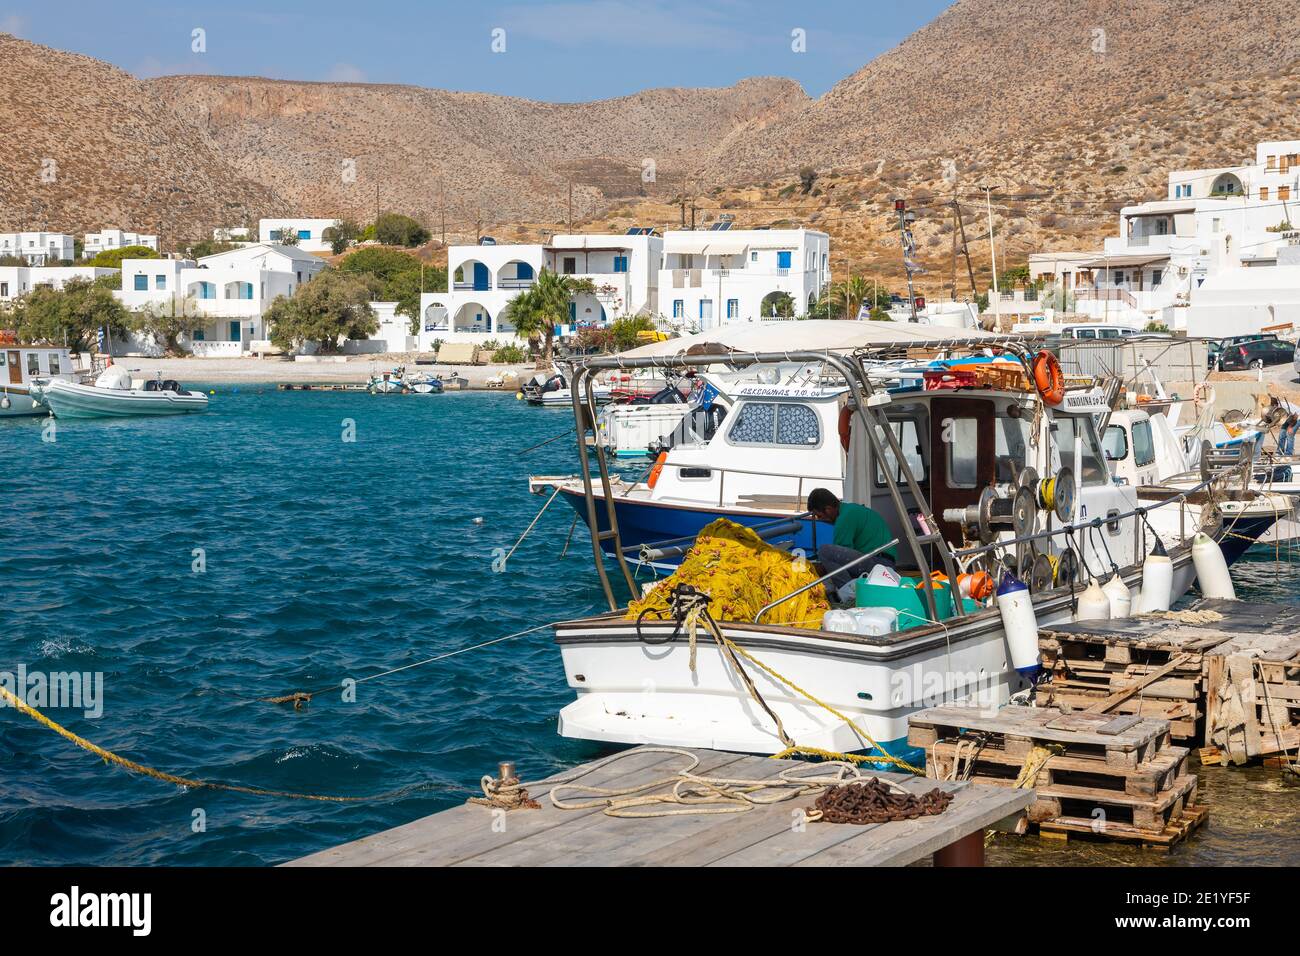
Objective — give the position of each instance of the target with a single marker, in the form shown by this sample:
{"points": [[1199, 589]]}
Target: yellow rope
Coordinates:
{"points": [[109, 757], [886, 758]]}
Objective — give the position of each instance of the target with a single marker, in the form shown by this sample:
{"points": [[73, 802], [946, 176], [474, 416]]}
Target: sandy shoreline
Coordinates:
{"points": [[275, 371]]}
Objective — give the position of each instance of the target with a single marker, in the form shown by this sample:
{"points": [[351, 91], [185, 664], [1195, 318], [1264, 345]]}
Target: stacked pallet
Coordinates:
{"points": [[1114, 777], [1156, 673], [1225, 674]]}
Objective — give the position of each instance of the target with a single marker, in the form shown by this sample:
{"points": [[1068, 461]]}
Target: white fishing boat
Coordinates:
{"points": [[115, 394], [422, 383], [23, 367], [387, 383], [969, 478], [551, 390]]}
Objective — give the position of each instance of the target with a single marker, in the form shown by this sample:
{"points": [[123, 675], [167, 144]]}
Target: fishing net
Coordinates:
{"points": [[742, 574]]}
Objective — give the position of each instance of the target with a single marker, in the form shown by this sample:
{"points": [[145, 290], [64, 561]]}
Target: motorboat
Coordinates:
{"points": [[424, 384], [23, 367], [552, 391], [972, 468], [114, 394], [387, 383]]}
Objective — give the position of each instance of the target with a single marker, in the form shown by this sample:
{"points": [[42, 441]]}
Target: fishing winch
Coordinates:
{"points": [[1002, 506]]}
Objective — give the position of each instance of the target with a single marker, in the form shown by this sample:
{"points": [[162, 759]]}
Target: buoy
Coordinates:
{"points": [[1157, 581], [1020, 624], [519, 396], [1211, 569], [656, 469], [1120, 597], [478, 520], [1094, 605]]}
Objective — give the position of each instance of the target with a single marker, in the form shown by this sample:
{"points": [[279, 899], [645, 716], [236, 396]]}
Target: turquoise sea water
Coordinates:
{"points": [[325, 559], [328, 559]]}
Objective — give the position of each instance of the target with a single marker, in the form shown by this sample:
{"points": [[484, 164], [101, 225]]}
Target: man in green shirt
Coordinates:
{"points": [[858, 531]]}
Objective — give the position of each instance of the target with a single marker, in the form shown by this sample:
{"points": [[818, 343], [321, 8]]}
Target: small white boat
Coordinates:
{"points": [[115, 394], [23, 367], [387, 383], [424, 384]]}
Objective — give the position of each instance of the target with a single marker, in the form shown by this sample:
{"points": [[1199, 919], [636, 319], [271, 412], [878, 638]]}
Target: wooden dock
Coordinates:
{"points": [[774, 834]]}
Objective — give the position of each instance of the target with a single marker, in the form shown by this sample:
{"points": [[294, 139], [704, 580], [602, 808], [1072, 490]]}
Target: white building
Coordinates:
{"points": [[715, 277], [308, 232], [38, 248], [233, 288], [19, 280], [483, 279], [693, 279], [109, 239], [1223, 229], [231, 234], [393, 334]]}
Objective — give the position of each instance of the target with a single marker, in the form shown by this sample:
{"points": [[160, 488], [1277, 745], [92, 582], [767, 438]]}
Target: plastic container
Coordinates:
{"points": [[884, 576], [907, 599], [841, 622], [875, 621]]}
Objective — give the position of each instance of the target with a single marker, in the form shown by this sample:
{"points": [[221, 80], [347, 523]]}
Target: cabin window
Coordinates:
{"points": [[1065, 428], [961, 435], [909, 439], [54, 364], [1115, 444], [1010, 445], [1144, 446], [33, 363], [770, 423]]}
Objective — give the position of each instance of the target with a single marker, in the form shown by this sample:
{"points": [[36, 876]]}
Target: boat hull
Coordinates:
{"points": [[21, 403], [637, 686], [651, 523], [69, 400]]}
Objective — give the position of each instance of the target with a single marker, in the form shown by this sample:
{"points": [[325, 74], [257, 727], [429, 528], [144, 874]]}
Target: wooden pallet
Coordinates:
{"points": [[1120, 770], [1179, 828], [1253, 698]]}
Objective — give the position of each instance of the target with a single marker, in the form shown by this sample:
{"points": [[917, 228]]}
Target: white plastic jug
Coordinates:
{"points": [[884, 575], [841, 622], [873, 621]]}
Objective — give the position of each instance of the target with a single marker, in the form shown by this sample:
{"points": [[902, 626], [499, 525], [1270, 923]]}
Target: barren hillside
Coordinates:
{"points": [[88, 146]]}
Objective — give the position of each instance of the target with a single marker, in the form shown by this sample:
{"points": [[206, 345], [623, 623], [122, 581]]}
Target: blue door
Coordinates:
{"points": [[480, 277], [783, 259], [525, 271], [234, 331]]}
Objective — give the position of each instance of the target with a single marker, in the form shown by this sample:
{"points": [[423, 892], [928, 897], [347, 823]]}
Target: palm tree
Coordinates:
{"points": [[850, 294], [538, 310]]}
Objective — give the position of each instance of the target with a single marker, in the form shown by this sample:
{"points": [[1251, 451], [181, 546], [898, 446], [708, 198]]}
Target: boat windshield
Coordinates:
{"points": [[1065, 430]]}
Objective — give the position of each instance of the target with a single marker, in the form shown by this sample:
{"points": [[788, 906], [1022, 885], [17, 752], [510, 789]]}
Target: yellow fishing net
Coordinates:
{"points": [[742, 574]]}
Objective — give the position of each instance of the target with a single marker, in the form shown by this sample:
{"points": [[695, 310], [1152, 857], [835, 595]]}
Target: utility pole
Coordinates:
{"points": [[965, 249], [952, 278], [909, 248], [376, 204], [570, 205], [993, 259], [442, 202]]}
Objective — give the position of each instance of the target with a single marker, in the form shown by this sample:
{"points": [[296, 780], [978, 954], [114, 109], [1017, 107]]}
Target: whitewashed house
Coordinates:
{"points": [[393, 334], [1187, 261], [717, 277], [309, 233], [233, 288], [107, 240], [483, 279], [19, 280], [38, 248]]}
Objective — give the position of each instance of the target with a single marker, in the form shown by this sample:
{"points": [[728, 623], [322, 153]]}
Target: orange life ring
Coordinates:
{"points": [[846, 416], [1048, 378], [656, 469]]}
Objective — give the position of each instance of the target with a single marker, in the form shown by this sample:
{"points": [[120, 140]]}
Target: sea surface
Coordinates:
{"points": [[287, 541]]}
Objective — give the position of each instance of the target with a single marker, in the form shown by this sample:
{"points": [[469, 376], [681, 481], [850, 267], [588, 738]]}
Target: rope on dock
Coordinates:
{"points": [[127, 764]]}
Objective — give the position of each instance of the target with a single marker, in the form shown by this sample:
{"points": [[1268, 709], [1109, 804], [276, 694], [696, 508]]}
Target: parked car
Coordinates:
{"points": [[1216, 347], [1256, 354]]}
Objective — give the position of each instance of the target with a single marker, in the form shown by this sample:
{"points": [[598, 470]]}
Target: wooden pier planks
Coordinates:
{"points": [[771, 835]]}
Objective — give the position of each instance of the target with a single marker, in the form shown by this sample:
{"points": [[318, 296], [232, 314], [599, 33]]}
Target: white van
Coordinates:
{"points": [[1098, 330]]}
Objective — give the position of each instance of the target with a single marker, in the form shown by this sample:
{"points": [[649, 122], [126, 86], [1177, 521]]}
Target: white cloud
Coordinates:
{"points": [[345, 73]]}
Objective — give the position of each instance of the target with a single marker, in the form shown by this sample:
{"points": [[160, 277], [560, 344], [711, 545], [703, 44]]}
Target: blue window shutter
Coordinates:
{"points": [[480, 277], [304, 233], [573, 312], [620, 263], [783, 259], [525, 271]]}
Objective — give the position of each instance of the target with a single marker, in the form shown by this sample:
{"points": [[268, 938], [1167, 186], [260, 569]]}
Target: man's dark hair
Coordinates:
{"points": [[819, 499]]}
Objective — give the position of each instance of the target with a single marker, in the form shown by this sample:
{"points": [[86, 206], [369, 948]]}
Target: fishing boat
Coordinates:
{"points": [[996, 470], [424, 384], [552, 391], [387, 383], [115, 394], [24, 367]]}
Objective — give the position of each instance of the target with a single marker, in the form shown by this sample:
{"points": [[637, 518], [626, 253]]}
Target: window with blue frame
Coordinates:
{"points": [[275, 235], [733, 308], [620, 263], [160, 282], [304, 233], [141, 283], [205, 290], [679, 309], [706, 308], [783, 259]]}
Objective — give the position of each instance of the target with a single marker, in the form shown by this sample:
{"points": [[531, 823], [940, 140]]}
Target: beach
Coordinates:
{"points": [[341, 369]]}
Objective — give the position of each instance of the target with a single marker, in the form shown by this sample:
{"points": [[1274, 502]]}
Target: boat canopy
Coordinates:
{"points": [[832, 335]]}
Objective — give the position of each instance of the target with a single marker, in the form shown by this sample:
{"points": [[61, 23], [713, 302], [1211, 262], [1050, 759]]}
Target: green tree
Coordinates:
{"points": [[538, 310], [776, 304], [341, 236], [209, 247], [847, 297], [112, 258], [394, 229], [70, 315], [331, 307], [623, 332], [401, 278], [166, 326], [285, 237]]}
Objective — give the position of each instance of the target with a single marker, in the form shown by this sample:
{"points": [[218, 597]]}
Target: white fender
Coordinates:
{"points": [[1157, 581], [1094, 605], [1120, 597], [1211, 568], [1020, 624]]}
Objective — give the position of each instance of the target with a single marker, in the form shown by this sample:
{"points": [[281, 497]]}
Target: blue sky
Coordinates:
{"points": [[559, 50]]}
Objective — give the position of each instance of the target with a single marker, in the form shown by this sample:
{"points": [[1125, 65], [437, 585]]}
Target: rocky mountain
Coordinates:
{"points": [[88, 146]]}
